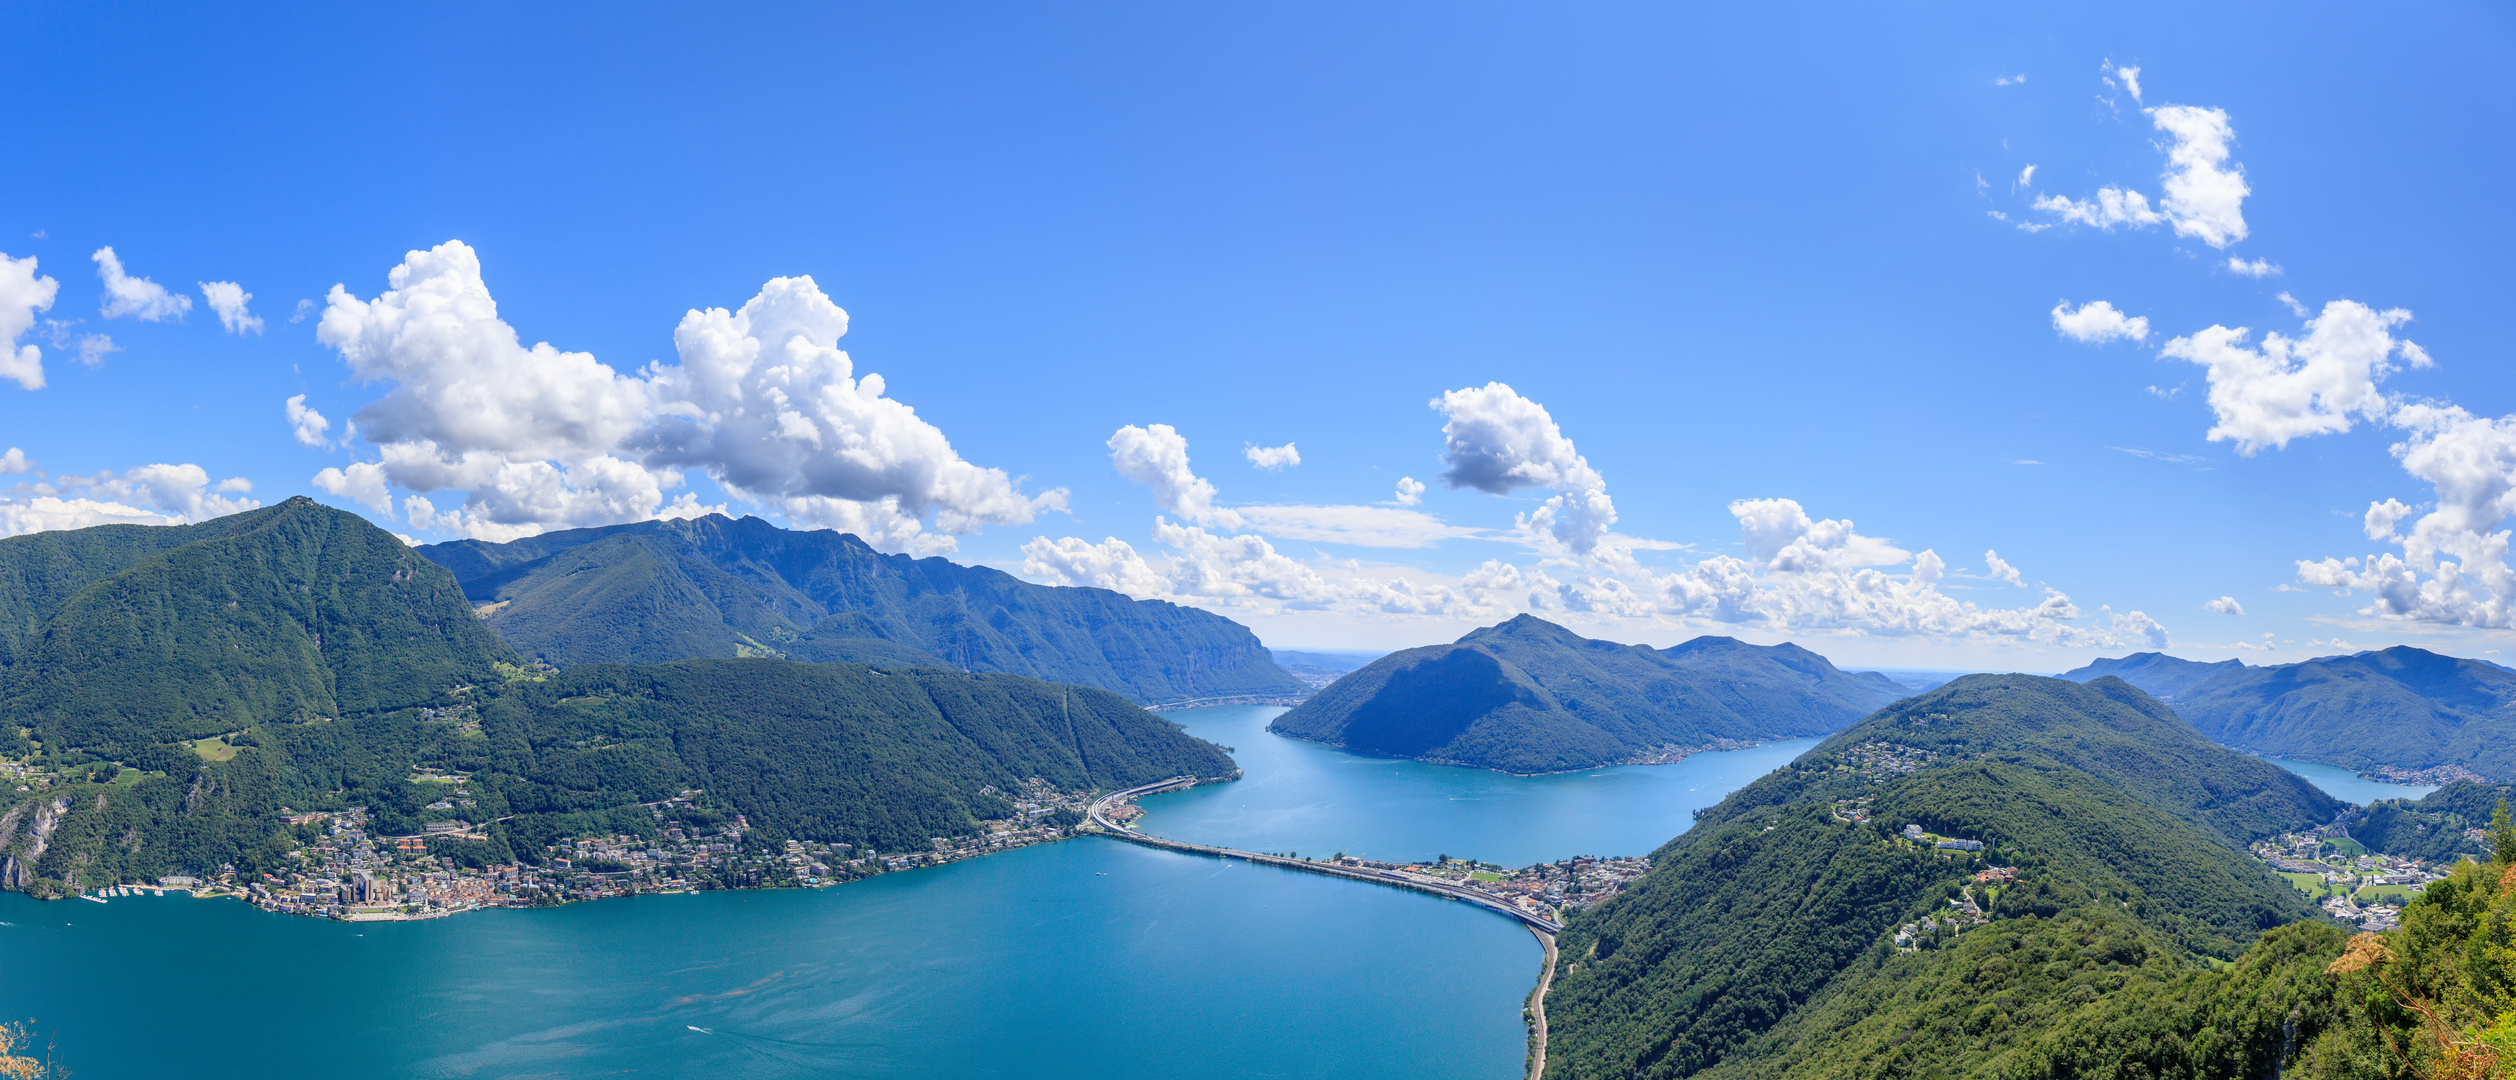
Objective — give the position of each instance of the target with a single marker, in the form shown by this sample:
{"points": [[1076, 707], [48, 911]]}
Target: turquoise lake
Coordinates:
{"points": [[1307, 798], [2349, 786], [1088, 958]]}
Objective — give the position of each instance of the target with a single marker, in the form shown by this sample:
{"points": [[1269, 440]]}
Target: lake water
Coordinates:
{"points": [[2348, 786], [1089, 958], [1304, 797]]}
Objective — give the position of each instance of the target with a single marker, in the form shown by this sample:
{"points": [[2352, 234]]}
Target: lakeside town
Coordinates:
{"points": [[348, 871]]}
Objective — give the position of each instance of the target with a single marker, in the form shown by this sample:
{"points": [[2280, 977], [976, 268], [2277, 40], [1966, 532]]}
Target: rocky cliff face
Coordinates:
{"points": [[17, 868]]}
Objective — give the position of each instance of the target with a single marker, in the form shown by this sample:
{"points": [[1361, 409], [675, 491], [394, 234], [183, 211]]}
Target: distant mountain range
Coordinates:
{"points": [[657, 591], [2400, 707], [1795, 932], [1528, 696]]}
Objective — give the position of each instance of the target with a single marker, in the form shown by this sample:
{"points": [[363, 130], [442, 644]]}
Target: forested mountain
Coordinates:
{"points": [[301, 657], [1764, 941], [121, 638], [2436, 827], [2155, 673], [1528, 696], [2402, 707], [654, 591]]}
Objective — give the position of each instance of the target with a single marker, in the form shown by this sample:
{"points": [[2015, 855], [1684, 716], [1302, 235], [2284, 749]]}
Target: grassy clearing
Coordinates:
{"points": [[2310, 884], [213, 749]]}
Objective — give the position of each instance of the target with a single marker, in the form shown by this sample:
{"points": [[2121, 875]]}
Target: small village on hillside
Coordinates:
{"points": [[2345, 879]]}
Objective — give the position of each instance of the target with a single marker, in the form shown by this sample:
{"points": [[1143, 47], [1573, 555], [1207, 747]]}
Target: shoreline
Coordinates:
{"points": [[1537, 1005], [1666, 755]]}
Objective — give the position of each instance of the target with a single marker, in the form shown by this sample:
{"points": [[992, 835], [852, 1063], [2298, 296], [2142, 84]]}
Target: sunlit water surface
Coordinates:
{"points": [[2349, 786], [1089, 958]]}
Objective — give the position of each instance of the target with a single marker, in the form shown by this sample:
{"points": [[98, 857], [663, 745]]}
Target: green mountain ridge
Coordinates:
{"points": [[656, 591], [125, 635], [1763, 940], [1528, 696], [334, 662], [2402, 707]]}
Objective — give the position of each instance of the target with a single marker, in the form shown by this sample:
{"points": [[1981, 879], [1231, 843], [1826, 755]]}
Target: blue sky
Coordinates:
{"points": [[1732, 258]]}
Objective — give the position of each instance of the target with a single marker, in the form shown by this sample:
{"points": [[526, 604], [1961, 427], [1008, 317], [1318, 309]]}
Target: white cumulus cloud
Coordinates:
{"points": [[360, 481], [2259, 268], [2225, 605], [2097, 322], [2112, 206], [2384, 517], [2294, 387], [1803, 573], [14, 462], [2000, 570], [1272, 458], [311, 427], [1157, 457], [1410, 491], [228, 299], [128, 297], [23, 295], [148, 495], [2131, 81], [762, 400], [2203, 192], [1498, 442]]}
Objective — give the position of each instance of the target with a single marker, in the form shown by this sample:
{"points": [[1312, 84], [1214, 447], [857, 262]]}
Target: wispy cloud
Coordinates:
{"points": [[2160, 455]]}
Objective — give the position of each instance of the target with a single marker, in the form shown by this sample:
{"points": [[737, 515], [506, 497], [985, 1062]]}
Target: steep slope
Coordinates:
{"points": [[1528, 696], [1763, 941], [2155, 673], [882, 759], [131, 636], [2402, 707], [2436, 827], [657, 591]]}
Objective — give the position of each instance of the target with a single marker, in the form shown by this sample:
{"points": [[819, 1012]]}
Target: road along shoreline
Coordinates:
{"points": [[1537, 1006]]}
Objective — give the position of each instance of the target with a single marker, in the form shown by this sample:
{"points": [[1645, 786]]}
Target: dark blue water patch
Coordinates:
{"points": [[1316, 800], [1088, 958]]}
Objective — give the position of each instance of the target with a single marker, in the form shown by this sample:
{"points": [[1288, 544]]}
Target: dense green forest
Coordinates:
{"points": [[2402, 706], [654, 591], [1528, 696], [2435, 827], [125, 637], [1764, 941], [189, 683], [839, 753]]}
